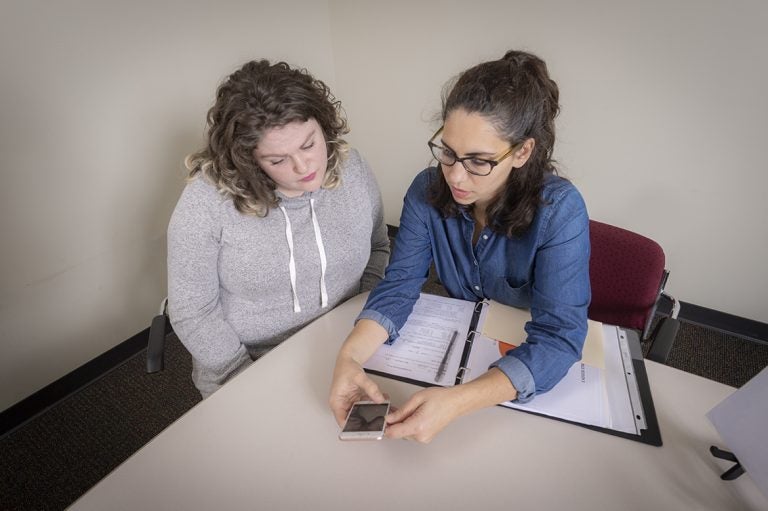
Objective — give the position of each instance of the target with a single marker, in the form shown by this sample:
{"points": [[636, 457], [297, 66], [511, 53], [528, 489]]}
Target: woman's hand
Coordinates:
{"points": [[429, 411], [424, 415], [350, 383]]}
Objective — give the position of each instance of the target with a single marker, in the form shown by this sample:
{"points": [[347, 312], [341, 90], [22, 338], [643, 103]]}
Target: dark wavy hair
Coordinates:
{"points": [[257, 97], [517, 96]]}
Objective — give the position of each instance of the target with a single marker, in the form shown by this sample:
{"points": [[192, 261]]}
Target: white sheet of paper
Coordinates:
{"points": [[423, 341], [579, 397], [742, 421]]}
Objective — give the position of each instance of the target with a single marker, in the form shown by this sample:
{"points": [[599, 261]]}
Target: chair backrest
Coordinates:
{"points": [[626, 272]]}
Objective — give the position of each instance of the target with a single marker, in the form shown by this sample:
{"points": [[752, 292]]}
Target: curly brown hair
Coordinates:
{"points": [[255, 98], [517, 96]]}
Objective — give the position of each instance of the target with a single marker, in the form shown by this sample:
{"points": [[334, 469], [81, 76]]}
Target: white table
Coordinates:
{"points": [[267, 440]]}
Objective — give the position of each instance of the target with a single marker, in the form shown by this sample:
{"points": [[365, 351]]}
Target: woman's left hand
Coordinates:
{"points": [[430, 410], [424, 415]]}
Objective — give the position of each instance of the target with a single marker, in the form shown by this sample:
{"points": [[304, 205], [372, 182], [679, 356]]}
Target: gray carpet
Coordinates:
{"points": [[53, 459], [56, 457], [717, 356]]}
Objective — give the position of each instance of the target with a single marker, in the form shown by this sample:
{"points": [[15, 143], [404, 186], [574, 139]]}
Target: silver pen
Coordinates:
{"points": [[444, 361]]}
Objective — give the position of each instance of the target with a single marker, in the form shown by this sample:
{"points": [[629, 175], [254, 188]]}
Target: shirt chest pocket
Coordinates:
{"points": [[509, 291]]}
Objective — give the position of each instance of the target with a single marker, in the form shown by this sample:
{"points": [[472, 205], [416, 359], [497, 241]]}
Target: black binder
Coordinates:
{"points": [[636, 378]]}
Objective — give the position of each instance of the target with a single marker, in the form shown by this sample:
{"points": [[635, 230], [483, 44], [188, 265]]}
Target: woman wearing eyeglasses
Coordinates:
{"points": [[498, 223]]}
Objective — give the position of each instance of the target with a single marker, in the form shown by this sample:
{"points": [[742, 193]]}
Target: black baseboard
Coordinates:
{"points": [[723, 322], [30, 407]]}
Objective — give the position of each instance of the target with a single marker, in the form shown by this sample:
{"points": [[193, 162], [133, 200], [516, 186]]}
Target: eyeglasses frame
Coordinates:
{"points": [[493, 162]]}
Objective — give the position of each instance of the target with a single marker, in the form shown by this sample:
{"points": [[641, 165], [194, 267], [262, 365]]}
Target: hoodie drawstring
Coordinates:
{"points": [[292, 260], [321, 250]]}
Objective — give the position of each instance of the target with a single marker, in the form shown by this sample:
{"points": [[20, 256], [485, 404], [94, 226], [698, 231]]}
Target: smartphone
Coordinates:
{"points": [[365, 421]]}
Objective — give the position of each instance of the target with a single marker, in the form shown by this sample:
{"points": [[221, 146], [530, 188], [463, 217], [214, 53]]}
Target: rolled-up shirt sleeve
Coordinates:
{"points": [[560, 296], [392, 300]]}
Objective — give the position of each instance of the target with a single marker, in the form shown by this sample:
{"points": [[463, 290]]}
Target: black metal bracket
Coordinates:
{"points": [[733, 472]]}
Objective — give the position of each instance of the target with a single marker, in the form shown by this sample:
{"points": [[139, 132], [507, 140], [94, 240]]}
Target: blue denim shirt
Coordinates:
{"points": [[545, 270]]}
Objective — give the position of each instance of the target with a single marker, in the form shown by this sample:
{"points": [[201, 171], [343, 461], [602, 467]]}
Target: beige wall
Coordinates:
{"points": [[662, 130], [100, 103], [662, 127]]}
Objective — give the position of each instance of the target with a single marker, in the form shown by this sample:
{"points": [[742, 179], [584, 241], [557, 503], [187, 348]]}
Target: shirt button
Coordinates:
{"points": [[475, 263], [485, 236], [477, 288]]}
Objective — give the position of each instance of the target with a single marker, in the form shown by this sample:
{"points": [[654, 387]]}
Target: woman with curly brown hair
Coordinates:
{"points": [[499, 224], [279, 221]]}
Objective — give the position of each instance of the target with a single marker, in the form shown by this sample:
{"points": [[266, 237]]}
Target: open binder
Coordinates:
{"points": [[448, 341]]}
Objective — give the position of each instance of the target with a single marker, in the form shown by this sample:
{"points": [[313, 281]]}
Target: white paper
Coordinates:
{"points": [[424, 340], [742, 421], [578, 397]]}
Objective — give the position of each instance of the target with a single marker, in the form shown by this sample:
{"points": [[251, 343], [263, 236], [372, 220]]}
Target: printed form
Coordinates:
{"points": [[424, 340]]}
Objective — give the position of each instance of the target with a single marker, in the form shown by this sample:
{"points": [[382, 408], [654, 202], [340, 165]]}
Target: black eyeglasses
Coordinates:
{"points": [[472, 164]]}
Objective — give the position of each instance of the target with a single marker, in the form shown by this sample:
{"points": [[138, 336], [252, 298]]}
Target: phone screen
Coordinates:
{"points": [[365, 420]]}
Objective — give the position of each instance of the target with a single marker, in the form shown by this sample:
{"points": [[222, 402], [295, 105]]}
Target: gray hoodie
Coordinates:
{"points": [[235, 287]]}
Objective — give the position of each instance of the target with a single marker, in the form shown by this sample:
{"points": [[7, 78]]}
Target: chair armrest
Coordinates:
{"points": [[156, 344], [663, 339]]}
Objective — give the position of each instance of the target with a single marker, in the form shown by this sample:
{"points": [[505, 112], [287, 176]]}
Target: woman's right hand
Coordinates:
{"points": [[350, 383]]}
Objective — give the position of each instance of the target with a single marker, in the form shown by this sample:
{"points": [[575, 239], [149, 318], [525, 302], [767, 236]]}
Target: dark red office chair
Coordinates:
{"points": [[627, 275]]}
